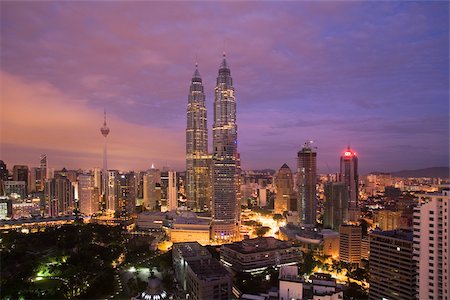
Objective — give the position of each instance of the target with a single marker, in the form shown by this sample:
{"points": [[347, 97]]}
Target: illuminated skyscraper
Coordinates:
{"points": [[44, 175], [20, 173], [152, 188], [105, 131], [169, 190], [112, 191], [284, 183], [226, 165], [198, 177], [349, 175], [88, 194], [59, 196], [127, 193], [306, 183]]}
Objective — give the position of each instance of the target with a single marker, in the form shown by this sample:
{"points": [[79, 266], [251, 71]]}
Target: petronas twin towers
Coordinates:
{"points": [[212, 180]]}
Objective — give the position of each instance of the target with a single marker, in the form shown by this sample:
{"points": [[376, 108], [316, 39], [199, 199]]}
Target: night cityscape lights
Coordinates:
{"points": [[164, 206]]}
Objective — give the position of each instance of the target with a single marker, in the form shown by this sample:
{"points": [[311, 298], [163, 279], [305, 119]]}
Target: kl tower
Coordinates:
{"points": [[105, 131]]}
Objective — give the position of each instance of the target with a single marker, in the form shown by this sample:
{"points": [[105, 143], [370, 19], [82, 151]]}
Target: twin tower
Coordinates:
{"points": [[212, 180]]}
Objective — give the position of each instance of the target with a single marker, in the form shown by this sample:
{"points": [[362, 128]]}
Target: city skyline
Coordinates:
{"points": [[380, 85]]}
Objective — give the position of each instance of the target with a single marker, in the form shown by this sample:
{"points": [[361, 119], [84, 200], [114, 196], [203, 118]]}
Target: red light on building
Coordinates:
{"points": [[349, 153]]}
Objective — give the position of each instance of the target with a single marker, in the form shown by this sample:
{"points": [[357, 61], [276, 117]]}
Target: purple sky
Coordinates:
{"points": [[372, 74]]}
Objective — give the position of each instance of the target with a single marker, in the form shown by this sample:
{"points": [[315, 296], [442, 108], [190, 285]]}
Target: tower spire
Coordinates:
{"points": [[224, 64], [196, 72]]}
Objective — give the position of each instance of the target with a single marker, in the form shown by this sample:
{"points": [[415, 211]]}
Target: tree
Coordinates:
{"points": [[278, 217], [261, 231], [308, 263]]}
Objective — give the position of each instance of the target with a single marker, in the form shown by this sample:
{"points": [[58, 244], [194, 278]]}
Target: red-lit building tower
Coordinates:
{"points": [[349, 175]]}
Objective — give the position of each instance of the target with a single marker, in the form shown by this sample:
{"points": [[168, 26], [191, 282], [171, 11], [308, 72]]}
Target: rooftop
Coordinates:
{"points": [[191, 249], [259, 244], [208, 269], [401, 234]]}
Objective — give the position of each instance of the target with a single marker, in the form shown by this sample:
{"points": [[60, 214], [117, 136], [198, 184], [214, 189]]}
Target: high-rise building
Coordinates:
{"points": [[113, 191], [140, 186], [127, 195], [152, 189], [105, 131], [336, 205], [35, 180], [198, 161], [88, 194], [350, 244], [97, 173], [20, 173], [3, 177], [15, 188], [391, 265], [5, 207], [169, 190], [43, 169], [284, 184], [349, 175], [226, 164], [388, 219], [306, 184], [59, 196], [431, 223], [3, 171]]}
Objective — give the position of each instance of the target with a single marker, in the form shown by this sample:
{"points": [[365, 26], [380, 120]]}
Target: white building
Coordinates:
{"points": [[294, 287], [291, 284], [431, 225]]}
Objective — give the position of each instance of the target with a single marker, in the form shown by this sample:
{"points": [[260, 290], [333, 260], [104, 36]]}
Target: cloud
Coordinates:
{"points": [[375, 74], [39, 117]]}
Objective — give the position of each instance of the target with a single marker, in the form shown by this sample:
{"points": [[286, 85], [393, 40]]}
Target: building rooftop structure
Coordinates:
{"points": [[191, 249], [208, 269], [401, 234], [181, 220], [259, 244]]}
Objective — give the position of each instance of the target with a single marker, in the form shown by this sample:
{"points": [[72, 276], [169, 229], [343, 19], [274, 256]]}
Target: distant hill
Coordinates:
{"points": [[441, 172]]}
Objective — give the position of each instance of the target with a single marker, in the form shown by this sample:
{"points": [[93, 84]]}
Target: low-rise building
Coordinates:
{"points": [[200, 275], [151, 220], [325, 242], [191, 230], [253, 255], [320, 286], [208, 279]]}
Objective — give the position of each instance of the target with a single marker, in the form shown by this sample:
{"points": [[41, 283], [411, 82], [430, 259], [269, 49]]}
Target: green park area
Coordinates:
{"points": [[74, 261]]}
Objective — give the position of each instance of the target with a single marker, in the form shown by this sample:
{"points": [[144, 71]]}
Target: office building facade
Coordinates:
{"points": [[391, 265], [350, 237], [306, 184], [226, 165], [284, 184], [336, 205], [431, 225], [198, 161], [349, 176]]}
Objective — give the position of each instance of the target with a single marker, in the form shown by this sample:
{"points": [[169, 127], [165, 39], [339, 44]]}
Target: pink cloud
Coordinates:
{"points": [[36, 116]]}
